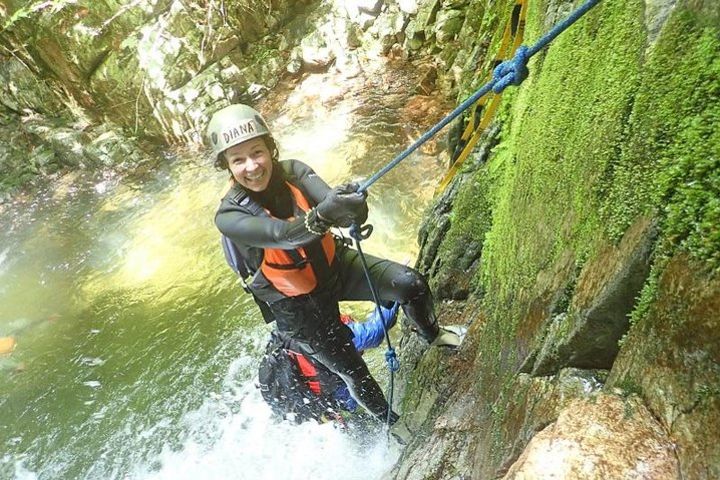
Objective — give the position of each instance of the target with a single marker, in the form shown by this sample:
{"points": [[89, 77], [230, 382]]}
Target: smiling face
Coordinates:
{"points": [[250, 163]]}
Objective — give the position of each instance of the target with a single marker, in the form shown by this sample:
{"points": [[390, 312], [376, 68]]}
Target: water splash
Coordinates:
{"points": [[233, 435]]}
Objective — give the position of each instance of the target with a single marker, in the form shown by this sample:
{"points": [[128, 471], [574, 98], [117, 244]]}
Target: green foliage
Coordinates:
{"points": [[647, 297]]}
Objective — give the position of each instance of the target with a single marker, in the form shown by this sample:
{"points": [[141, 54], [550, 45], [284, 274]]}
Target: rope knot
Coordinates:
{"points": [[360, 233], [392, 360], [513, 71]]}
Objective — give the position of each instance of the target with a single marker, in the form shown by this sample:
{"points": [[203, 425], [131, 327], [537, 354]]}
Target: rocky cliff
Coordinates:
{"points": [[580, 245], [579, 242]]}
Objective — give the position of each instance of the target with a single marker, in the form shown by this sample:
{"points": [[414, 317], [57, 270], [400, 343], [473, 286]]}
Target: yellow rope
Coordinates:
{"points": [[484, 109]]}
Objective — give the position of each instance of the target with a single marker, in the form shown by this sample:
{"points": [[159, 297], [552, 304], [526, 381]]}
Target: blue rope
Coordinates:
{"points": [[509, 72], [392, 360], [359, 234]]}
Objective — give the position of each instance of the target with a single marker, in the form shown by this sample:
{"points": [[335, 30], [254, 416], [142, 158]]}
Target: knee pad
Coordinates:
{"points": [[410, 285]]}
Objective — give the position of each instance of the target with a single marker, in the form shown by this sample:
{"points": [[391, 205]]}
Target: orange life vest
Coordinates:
{"points": [[289, 271]]}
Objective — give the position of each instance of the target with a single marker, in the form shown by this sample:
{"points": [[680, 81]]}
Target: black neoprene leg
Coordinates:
{"points": [[346, 362], [313, 322], [394, 283]]}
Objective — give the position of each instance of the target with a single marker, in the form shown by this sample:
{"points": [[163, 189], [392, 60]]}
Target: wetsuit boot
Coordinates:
{"points": [[449, 336]]}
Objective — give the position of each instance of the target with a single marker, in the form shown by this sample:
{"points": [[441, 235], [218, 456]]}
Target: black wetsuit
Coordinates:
{"points": [[313, 320]]}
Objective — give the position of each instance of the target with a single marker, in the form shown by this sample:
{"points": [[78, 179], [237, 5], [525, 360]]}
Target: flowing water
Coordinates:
{"points": [[135, 351]]}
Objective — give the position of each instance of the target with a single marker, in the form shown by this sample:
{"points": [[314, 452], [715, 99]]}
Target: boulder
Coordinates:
{"points": [[409, 7], [316, 54], [447, 25], [606, 437], [587, 335]]}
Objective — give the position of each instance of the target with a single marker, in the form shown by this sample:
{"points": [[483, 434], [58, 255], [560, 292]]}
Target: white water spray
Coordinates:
{"points": [[233, 435]]}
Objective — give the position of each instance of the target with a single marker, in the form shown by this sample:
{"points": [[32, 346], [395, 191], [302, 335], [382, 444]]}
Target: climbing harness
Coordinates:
{"points": [[509, 72]]}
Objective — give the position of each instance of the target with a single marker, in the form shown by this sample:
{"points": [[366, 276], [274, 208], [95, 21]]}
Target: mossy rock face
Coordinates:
{"points": [[21, 89], [68, 42], [613, 125], [672, 358], [448, 25], [587, 335], [671, 159], [121, 63], [154, 70]]}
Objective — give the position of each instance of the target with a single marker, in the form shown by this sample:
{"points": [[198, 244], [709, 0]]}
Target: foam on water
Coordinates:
{"points": [[233, 435]]}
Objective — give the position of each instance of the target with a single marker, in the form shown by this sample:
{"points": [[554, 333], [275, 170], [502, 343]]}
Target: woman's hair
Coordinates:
{"points": [[221, 163]]}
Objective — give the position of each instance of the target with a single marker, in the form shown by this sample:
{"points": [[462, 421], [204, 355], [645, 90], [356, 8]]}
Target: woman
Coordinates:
{"points": [[278, 214]]}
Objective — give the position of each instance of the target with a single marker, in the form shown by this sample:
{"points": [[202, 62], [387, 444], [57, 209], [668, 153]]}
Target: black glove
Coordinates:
{"points": [[343, 205]]}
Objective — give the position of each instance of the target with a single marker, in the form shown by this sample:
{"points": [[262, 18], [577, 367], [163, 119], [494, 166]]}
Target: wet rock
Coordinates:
{"points": [[427, 81], [368, 6], [459, 432], [414, 38], [20, 89], [409, 7], [431, 236], [433, 229], [447, 25], [426, 14], [388, 28], [349, 65], [524, 407], [419, 29], [587, 335], [451, 275], [656, 14], [588, 442], [397, 53], [550, 289], [316, 54], [353, 36], [363, 12], [109, 147], [671, 356], [295, 64]]}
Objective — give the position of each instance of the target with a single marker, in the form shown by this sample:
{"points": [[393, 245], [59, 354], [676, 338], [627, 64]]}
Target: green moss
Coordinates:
{"points": [[629, 387], [564, 129], [471, 216], [671, 161]]}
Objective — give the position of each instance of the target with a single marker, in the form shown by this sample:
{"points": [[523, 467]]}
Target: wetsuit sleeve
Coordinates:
{"points": [[263, 232], [314, 186], [370, 333]]}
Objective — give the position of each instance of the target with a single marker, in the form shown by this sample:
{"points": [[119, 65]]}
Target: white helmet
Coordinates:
{"points": [[233, 125]]}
